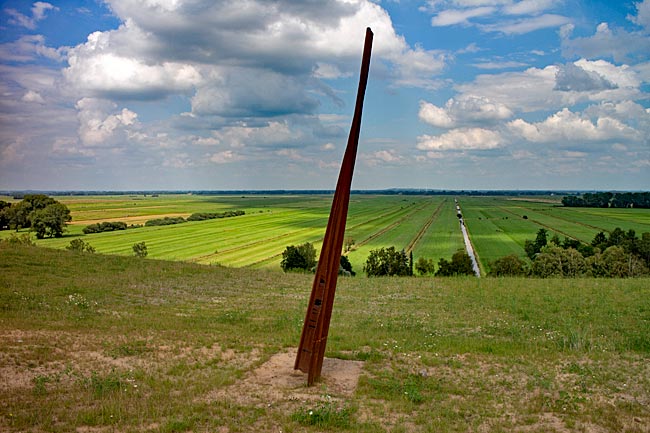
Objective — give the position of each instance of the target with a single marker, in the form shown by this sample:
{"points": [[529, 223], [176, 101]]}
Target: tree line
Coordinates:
{"points": [[619, 254], [609, 200], [381, 262]]}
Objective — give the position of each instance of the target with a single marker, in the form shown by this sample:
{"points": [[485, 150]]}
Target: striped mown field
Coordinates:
{"points": [[427, 226]]}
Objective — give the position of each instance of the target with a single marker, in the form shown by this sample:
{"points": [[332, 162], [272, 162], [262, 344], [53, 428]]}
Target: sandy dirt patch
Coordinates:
{"points": [[276, 381]]}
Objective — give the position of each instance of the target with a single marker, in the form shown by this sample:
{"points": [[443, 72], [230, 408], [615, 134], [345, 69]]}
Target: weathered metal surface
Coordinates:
{"points": [[319, 312]]}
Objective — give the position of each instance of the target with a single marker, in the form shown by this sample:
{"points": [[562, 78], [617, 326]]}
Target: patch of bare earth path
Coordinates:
{"points": [[277, 383]]}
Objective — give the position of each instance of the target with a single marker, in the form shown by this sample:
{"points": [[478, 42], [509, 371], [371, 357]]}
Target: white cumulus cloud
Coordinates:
{"points": [[461, 139], [567, 126], [97, 126], [465, 110]]}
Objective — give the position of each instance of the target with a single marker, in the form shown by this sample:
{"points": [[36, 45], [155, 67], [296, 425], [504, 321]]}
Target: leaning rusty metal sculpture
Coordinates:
{"points": [[319, 312]]}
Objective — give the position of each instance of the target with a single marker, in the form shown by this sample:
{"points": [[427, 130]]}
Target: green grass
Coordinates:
{"points": [[426, 225], [92, 342]]}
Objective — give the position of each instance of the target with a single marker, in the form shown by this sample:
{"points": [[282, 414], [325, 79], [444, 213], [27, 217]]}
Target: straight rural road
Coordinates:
{"points": [[468, 243]]}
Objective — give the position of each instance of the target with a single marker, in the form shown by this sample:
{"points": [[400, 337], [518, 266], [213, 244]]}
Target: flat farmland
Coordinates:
{"points": [[427, 226], [499, 226]]}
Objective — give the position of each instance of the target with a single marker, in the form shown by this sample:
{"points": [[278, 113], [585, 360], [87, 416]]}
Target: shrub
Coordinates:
{"points": [[80, 246], [345, 267], [23, 239], [301, 257], [140, 249]]}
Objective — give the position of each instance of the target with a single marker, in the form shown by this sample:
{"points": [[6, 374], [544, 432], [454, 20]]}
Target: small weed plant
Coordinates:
{"points": [[326, 414]]}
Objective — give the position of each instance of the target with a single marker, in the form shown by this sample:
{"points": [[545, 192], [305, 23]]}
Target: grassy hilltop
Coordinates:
{"points": [[102, 343]]}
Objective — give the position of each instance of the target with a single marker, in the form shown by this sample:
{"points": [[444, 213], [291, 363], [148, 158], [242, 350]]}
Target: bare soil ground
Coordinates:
{"points": [[276, 381]]}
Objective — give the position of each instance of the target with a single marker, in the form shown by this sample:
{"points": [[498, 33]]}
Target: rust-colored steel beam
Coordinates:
{"points": [[319, 312]]}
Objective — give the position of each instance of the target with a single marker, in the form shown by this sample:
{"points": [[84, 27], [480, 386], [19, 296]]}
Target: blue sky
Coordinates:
{"points": [[259, 94]]}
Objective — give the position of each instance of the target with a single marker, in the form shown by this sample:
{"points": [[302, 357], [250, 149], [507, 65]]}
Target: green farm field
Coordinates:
{"points": [[425, 225], [108, 343], [497, 226]]}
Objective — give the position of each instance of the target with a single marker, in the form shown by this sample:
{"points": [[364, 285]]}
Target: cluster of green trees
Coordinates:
{"points": [[460, 264], [42, 214], [199, 216], [391, 262], [388, 262], [620, 254], [609, 199], [302, 258], [106, 226]]}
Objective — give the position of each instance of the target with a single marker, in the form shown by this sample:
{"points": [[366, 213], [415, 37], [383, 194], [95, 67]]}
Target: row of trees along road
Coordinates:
{"points": [[40, 213]]}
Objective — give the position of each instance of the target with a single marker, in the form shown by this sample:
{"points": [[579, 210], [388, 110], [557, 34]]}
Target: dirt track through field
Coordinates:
{"points": [[425, 227], [389, 227]]}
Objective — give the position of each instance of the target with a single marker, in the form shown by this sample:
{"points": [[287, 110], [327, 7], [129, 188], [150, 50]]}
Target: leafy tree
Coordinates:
{"points": [[345, 267], [80, 246], [620, 264], [140, 249], [510, 265], [548, 263], [555, 261], [425, 266], [4, 214], [600, 241], [644, 248], [301, 257], [387, 262], [50, 221], [616, 237], [533, 248], [460, 264], [37, 201], [570, 243], [17, 215]]}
